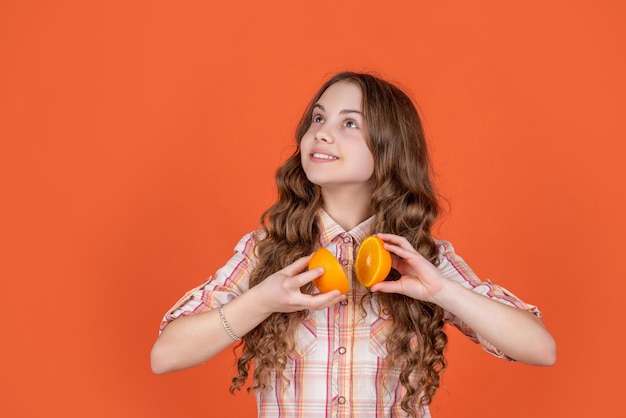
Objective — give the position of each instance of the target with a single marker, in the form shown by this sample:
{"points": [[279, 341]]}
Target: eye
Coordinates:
{"points": [[350, 123], [317, 118]]}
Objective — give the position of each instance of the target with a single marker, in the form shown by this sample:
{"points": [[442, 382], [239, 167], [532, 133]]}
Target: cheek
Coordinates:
{"points": [[305, 144], [305, 150], [367, 162], [370, 168], [308, 137]]}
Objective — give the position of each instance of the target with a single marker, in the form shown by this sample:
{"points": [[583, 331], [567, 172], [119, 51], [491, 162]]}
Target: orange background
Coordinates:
{"points": [[139, 142]]}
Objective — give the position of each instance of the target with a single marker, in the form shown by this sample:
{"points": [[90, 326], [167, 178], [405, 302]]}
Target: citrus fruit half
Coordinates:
{"points": [[373, 262], [334, 277]]}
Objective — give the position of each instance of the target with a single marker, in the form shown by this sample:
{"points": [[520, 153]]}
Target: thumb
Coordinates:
{"points": [[388, 287]]}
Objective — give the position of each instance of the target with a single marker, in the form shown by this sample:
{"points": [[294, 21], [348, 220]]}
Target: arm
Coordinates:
{"points": [[516, 332], [194, 339]]}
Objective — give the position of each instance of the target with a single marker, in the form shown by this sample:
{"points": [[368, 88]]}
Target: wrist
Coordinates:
{"points": [[447, 294], [258, 303], [225, 324]]}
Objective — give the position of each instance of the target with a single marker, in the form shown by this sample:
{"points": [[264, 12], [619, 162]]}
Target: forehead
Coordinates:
{"points": [[343, 95]]}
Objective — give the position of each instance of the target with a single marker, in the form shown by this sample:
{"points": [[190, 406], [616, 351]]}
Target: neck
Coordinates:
{"points": [[347, 208]]}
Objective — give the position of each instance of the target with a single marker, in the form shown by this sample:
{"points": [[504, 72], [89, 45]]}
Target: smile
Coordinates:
{"points": [[323, 156]]}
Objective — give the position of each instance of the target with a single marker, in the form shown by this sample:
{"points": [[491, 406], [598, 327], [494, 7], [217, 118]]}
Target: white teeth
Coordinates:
{"points": [[323, 156]]}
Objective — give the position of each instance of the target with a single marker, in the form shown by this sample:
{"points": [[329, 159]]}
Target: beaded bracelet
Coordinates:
{"points": [[225, 324]]}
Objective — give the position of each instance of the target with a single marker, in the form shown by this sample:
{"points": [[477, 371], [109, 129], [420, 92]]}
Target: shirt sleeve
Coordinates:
{"points": [[453, 267], [230, 281]]}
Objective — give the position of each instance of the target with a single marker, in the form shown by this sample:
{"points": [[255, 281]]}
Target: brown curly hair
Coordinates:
{"points": [[404, 203]]}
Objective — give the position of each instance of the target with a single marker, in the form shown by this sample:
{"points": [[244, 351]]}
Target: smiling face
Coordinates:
{"points": [[334, 152]]}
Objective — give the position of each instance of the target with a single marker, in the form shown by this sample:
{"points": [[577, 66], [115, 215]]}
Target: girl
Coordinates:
{"points": [[361, 167]]}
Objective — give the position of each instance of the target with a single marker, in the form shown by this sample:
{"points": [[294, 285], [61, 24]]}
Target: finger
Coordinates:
{"points": [[391, 241], [410, 262], [297, 266], [401, 251], [395, 239], [308, 276], [388, 287], [324, 300]]}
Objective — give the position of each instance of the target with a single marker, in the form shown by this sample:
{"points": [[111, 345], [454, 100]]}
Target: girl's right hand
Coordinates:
{"points": [[193, 339], [280, 292]]}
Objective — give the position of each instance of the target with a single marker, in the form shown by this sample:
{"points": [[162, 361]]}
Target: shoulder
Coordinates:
{"points": [[445, 249], [451, 265], [248, 242]]}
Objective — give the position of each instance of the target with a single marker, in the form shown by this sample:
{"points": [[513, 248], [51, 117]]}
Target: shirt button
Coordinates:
{"points": [[342, 350], [341, 400], [347, 239], [344, 262], [343, 302]]}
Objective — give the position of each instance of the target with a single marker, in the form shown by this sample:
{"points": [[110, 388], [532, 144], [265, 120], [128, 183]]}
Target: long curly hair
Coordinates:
{"points": [[404, 203]]}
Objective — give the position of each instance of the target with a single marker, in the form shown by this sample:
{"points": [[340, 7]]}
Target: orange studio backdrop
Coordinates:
{"points": [[139, 142]]}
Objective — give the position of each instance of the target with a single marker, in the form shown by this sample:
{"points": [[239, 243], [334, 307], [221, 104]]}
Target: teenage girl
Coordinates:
{"points": [[361, 167]]}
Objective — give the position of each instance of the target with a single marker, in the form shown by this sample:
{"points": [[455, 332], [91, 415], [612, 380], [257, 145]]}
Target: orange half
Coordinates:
{"points": [[373, 262], [334, 277]]}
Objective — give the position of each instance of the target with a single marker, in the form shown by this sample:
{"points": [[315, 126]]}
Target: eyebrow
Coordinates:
{"points": [[341, 112]]}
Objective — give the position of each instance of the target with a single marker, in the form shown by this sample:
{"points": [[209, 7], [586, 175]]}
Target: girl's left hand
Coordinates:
{"points": [[420, 279]]}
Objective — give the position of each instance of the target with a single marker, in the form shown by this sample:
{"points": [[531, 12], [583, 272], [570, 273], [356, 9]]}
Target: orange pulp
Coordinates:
{"points": [[373, 262]]}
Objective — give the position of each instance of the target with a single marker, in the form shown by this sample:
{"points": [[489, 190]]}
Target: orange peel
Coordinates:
{"points": [[334, 277]]}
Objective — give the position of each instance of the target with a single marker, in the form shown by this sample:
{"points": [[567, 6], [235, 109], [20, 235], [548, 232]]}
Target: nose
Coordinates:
{"points": [[324, 134]]}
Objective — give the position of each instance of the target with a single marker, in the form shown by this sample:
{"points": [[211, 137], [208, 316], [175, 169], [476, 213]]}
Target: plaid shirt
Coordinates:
{"points": [[335, 369]]}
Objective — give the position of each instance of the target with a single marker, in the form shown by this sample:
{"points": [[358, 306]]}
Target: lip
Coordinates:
{"points": [[323, 156]]}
